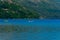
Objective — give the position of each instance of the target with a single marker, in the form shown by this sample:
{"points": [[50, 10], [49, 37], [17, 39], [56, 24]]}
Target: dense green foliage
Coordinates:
{"points": [[28, 10], [14, 10]]}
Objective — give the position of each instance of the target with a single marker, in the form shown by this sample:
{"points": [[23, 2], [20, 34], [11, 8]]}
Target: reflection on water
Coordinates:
{"points": [[11, 32], [20, 29]]}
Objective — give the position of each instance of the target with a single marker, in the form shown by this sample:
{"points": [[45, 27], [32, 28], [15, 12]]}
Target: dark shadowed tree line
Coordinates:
{"points": [[14, 10]]}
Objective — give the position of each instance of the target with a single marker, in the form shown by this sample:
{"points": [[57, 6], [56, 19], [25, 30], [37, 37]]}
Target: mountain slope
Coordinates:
{"points": [[49, 9], [14, 10]]}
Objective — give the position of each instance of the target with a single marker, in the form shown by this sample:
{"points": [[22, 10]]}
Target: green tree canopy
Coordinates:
{"points": [[14, 10]]}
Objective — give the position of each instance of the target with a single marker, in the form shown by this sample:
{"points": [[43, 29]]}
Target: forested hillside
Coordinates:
{"points": [[40, 9], [14, 10]]}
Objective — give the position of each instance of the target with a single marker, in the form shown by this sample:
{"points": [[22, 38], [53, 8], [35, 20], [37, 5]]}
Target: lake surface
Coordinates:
{"points": [[50, 29], [31, 22]]}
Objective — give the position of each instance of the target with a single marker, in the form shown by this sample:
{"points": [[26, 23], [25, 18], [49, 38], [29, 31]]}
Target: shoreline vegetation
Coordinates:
{"points": [[13, 10], [20, 29]]}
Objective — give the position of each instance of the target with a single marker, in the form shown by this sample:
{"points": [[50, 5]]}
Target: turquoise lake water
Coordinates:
{"points": [[31, 22], [50, 30]]}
